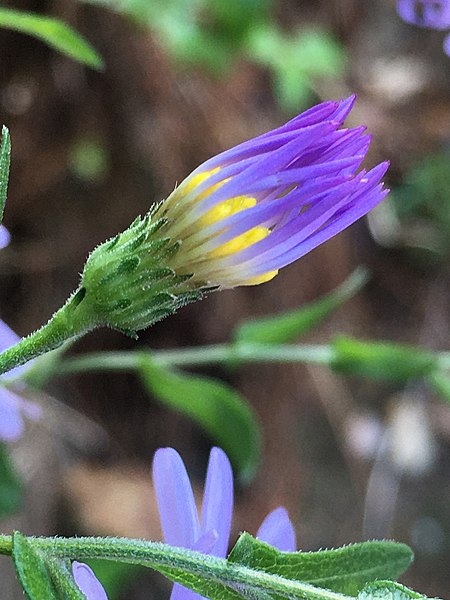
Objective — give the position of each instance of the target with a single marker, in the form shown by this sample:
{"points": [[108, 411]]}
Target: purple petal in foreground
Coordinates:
{"points": [[217, 509], [277, 530], [176, 505], [87, 582]]}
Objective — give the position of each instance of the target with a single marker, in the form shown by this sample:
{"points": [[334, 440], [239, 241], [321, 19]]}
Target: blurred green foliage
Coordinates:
{"points": [[89, 160], [10, 485], [286, 327], [223, 413], [422, 206], [53, 32], [213, 34]]}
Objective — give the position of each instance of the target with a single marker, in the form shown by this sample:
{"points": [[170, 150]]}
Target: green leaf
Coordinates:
{"points": [[381, 360], [10, 486], [53, 32], [219, 409], [31, 570], [344, 570], [5, 160], [290, 325], [389, 590], [440, 382]]}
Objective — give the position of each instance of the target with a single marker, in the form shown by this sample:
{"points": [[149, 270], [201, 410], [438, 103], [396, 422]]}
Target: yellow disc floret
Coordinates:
{"points": [[218, 213]]}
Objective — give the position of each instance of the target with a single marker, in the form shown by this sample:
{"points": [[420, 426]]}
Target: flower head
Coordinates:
{"points": [[180, 521], [237, 219], [246, 213], [434, 14]]}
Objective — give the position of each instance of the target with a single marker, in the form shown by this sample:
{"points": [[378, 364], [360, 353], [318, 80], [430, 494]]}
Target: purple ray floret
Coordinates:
{"points": [[434, 14], [251, 210]]}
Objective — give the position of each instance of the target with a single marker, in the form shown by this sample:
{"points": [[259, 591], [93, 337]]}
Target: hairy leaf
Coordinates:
{"points": [[344, 570]]}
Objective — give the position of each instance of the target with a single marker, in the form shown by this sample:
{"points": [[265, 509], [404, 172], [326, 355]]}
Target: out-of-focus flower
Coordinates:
{"points": [[4, 237], [180, 520], [12, 407], [434, 14], [237, 219]]}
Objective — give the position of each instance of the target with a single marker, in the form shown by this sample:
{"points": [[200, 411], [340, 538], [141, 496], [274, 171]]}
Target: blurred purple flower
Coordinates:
{"points": [[12, 407], [434, 14], [180, 520], [4, 237]]}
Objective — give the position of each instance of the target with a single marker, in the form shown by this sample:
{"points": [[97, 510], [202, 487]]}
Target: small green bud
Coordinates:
{"points": [[127, 281]]}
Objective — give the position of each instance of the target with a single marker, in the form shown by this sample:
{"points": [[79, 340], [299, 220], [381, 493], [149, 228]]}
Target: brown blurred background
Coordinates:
{"points": [[155, 119]]}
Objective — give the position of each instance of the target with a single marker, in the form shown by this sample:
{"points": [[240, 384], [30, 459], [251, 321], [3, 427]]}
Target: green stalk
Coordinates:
{"points": [[192, 357], [71, 321], [173, 562]]}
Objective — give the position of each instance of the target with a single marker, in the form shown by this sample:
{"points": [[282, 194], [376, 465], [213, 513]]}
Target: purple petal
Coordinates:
{"points": [[217, 509], [176, 504], [11, 421], [204, 544], [87, 582], [425, 13], [277, 530], [4, 237]]}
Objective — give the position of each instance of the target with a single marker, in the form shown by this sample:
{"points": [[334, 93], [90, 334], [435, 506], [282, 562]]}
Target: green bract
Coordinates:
{"points": [[126, 281]]}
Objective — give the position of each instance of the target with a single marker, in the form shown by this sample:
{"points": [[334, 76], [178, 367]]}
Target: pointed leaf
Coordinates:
{"points": [[5, 160], [31, 570], [344, 570], [381, 360], [54, 33], [219, 409], [440, 382], [288, 326]]}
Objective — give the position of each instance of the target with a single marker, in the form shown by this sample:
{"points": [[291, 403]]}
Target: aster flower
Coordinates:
{"points": [[180, 521], [246, 213], [13, 408], [434, 14], [237, 219]]}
